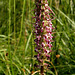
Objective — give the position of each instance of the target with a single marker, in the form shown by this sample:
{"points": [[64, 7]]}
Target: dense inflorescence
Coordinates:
{"points": [[43, 31]]}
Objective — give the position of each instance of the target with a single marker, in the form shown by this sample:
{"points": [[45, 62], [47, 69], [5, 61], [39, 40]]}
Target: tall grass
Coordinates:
{"points": [[17, 40]]}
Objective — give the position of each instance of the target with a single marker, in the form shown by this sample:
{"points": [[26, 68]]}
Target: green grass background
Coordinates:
{"points": [[17, 40]]}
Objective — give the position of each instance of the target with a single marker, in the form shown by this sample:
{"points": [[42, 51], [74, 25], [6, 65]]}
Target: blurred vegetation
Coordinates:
{"points": [[17, 40]]}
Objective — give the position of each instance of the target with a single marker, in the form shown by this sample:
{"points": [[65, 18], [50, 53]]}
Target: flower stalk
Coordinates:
{"points": [[43, 33]]}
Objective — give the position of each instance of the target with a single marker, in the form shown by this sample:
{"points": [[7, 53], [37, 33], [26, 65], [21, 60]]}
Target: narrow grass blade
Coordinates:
{"points": [[28, 43]]}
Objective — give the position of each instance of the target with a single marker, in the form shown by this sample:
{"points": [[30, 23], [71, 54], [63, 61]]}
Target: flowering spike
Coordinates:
{"points": [[43, 31]]}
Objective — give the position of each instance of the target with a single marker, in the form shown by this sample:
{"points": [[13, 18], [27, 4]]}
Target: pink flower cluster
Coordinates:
{"points": [[43, 31]]}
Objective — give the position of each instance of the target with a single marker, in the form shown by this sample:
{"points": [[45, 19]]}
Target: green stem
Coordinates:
{"points": [[14, 27], [22, 20], [9, 48]]}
